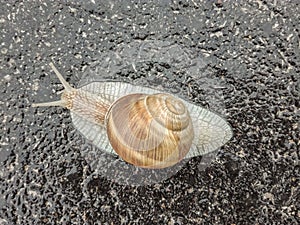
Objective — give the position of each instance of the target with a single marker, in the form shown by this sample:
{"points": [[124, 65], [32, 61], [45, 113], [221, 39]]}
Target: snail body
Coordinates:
{"points": [[143, 126]]}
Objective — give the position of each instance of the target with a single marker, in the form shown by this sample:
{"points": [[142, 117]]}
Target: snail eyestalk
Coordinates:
{"points": [[61, 78], [67, 89]]}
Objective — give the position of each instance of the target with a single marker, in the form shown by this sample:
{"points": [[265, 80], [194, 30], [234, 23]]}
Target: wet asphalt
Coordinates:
{"points": [[248, 59]]}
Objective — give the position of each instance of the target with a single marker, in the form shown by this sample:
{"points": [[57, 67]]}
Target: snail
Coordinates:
{"points": [[145, 127]]}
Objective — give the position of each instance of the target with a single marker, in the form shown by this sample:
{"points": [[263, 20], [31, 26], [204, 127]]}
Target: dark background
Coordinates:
{"points": [[253, 45]]}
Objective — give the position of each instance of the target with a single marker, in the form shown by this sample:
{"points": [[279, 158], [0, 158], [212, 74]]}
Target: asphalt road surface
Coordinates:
{"points": [[239, 59]]}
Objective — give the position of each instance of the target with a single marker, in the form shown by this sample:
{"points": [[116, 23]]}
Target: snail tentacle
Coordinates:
{"points": [[60, 103], [66, 85], [67, 89]]}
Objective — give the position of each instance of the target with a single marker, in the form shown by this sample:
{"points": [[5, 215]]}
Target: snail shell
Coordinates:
{"points": [[151, 130], [144, 127]]}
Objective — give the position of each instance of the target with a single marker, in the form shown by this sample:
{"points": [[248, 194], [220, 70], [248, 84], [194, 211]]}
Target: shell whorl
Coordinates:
{"points": [[151, 131], [168, 111]]}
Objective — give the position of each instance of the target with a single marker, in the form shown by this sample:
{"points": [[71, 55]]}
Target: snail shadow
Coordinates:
{"points": [[116, 170]]}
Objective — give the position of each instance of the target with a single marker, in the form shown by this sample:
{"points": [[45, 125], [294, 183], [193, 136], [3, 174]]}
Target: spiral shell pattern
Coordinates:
{"points": [[150, 131]]}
